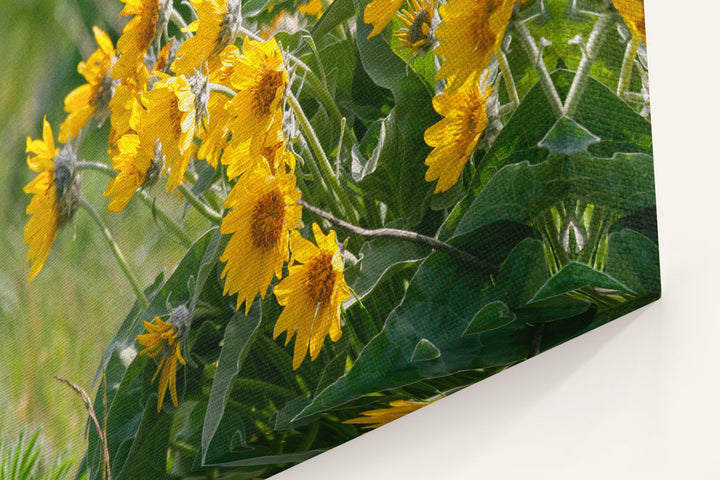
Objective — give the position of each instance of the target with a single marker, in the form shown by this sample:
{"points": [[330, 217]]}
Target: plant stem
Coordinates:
{"points": [[507, 76], [627, 66], [339, 148], [116, 251], [159, 214], [533, 52], [321, 93], [538, 331], [173, 228], [199, 205], [589, 55], [309, 437], [403, 235], [323, 161], [355, 343], [178, 20], [218, 88]]}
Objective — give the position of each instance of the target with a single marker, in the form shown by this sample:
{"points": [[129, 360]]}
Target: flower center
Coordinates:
{"points": [[266, 90], [320, 279], [416, 32], [269, 152], [268, 218]]}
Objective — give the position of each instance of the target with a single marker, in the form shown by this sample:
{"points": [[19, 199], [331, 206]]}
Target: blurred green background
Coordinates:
{"points": [[60, 323]]}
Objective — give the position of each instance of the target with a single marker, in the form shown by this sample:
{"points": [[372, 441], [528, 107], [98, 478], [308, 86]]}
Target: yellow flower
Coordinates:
{"points": [[137, 35], [215, 132], [239, 158], [260, 78], [418, 22], [162, 337], [138, 165], [470, 33], [264, 209], [383, 416], [168, 116], [633, 12], [311, 294], [82, 103], [55, 196], [455, 137], [216, 28], [312, 7], [127, 93], [379, 13]]}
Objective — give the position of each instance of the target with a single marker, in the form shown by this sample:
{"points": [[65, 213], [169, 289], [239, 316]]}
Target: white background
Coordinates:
{"points": [[638, 398]]}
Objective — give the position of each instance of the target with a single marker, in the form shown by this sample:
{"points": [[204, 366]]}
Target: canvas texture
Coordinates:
{"points": [[375, 204]]}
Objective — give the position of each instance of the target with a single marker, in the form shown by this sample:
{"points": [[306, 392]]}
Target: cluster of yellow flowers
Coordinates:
{"points": [[163, 114], [468, 36]]}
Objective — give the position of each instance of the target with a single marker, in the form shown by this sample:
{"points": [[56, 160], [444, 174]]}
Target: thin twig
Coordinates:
{"points": [[402, 235], [91, 411]]}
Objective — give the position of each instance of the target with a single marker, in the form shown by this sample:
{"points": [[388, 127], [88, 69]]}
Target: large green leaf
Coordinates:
{"points": [[379, 258], [148, 454], [398, 178], [620, 128], [633, 259], [239, 334], [521, 192], [575, 276]]}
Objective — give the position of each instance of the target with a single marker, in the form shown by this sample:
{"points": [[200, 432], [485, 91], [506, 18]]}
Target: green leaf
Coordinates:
{"points": [[332, 371], [425, 350], [379, 258], [398, 179], [207, 264], [567, 137], [148, 454], [205, 343], [633, 259], [521, 192], [491, 316], [336, 13], [620, 128], [575, 276], [522, 273], [239, 335]]}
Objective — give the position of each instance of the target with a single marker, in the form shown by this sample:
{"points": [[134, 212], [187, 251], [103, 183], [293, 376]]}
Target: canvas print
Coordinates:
{"points": [[311, 218]]}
